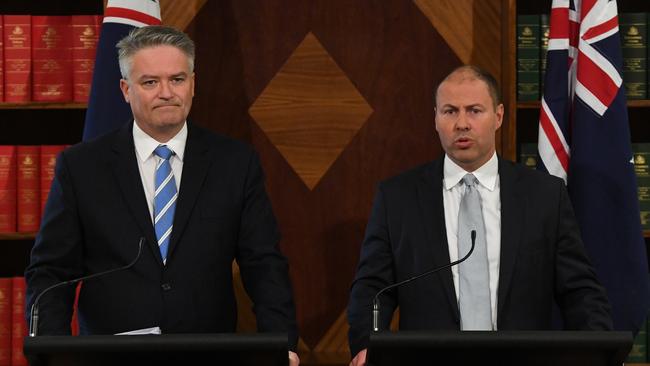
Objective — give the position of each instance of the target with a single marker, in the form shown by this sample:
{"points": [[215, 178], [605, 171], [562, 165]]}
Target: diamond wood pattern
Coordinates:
{"points": [[392, 57], [310, 111]]}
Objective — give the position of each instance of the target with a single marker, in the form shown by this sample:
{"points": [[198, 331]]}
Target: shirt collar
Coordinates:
{"points": [[145, 144], [487, 174]]}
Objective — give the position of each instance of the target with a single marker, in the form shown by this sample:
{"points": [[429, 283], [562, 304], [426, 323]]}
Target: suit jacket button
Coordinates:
{"points": [[166, 287]]}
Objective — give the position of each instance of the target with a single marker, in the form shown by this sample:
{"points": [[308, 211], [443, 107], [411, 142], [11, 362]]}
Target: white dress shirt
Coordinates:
{"points": [[147, 160], [488, 188]]}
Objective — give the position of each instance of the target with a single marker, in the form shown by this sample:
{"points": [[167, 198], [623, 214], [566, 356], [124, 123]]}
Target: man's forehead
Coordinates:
{"points": [[463, 78]]}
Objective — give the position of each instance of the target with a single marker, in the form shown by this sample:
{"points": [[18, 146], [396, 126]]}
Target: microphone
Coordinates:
{"points": [[33, 315], [375, 301]]}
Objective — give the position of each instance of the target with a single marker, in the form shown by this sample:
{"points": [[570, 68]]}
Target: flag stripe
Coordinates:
{"points": [[131, 14], [551, 134], [601, 29], [596, 80], [584, 139], [561, 26]]}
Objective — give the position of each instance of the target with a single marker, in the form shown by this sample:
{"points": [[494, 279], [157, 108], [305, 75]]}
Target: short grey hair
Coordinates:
{"points": [[152, 36]]}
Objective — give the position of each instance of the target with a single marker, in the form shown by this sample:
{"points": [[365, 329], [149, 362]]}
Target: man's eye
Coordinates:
{"points": [[149, 82], [178, 80]]}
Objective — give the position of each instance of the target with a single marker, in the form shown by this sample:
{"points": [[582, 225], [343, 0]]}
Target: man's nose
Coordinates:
{"points": [[461, 122], [165, 91]]}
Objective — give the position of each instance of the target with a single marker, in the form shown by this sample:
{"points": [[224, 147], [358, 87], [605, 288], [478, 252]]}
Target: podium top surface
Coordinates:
{"points": [[571, 348], [504, 339], [252, 349], [157, 343]]}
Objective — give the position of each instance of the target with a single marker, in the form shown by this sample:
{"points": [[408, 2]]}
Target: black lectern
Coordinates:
{"points": [[557, 348], [167, 349]]}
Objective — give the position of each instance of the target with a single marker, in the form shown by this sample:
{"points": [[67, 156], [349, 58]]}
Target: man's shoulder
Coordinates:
{"points": [[527, 176], [94, 148], [219, 145], [412, 176]]}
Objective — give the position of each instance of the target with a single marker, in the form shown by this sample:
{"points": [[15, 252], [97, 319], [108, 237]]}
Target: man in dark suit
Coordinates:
{"points": [[532, 253], [198, 200]]}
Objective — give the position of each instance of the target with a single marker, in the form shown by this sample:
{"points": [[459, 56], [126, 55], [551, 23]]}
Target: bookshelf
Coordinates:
{"points": [[38, 105], [526, 113], [37, 123]]}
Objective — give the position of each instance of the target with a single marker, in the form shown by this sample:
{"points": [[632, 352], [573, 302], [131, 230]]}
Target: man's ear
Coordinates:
{"points": [[499, 112], [124, 86]]}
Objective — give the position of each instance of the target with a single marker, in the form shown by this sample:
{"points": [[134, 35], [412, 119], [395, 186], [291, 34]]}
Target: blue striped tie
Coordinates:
{"points": [[164, 203]]}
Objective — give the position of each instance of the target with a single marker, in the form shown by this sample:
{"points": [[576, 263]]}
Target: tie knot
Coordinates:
{"points": [[163, 152], [470, 180]]}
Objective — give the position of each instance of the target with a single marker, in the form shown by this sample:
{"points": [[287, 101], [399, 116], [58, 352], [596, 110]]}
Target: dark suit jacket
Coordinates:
{"points": [[542, 257], [97, 212]]}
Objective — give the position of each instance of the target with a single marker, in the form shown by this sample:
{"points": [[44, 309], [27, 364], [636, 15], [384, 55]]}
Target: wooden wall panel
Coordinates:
{"points": [[310, 111], [179, 14], [392, 55], [471, 28]]}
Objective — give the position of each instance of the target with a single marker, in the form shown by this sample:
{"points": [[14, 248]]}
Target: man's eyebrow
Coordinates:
{"points": [[147, 76]]}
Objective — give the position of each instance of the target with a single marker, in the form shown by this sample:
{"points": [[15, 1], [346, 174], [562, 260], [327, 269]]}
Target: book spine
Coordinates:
{"points": [[545, 29], [51, 55], [85, 35], [17, 41], [19, 324], [28, 191], [74, 324], [528, 155], [634, 44], [8, 189], [5, 321], [639, 351], [2, 61], [641, 159], [528, 55], [47, 165]]}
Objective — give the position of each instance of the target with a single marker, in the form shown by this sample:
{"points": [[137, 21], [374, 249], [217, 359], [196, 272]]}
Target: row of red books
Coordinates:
{"points": [[47, 58], [13, 326], [26, 173]]}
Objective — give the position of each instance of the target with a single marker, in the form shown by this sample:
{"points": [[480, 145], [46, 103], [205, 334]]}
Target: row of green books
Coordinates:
{"points": [[528, 156], [639, 351], [532, 47]]}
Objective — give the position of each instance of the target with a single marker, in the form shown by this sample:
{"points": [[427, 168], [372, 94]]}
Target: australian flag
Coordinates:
{"points": [[107, 109], [584, 138]]}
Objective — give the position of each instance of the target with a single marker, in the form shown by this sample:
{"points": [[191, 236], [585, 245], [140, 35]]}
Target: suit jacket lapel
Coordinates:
{"points": [[512, 212], [433, 213], [126, 172], [196, 162]]}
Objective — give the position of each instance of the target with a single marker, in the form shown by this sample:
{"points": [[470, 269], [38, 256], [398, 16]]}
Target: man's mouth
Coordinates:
{"points": [[463, 142]]}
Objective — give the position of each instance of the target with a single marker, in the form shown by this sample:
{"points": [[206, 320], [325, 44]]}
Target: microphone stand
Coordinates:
{"points": [[375, 301], [33, 317]]}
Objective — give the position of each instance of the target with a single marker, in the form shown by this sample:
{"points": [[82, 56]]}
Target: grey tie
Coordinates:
{"points": [[473, 281]]}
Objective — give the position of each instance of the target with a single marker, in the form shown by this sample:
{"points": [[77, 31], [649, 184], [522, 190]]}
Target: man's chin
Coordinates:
{"points": [[170, 122]]}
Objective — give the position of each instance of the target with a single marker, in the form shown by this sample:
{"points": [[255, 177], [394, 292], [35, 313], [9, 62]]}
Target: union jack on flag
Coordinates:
{"points": [[107, 109], [584, 138]]}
